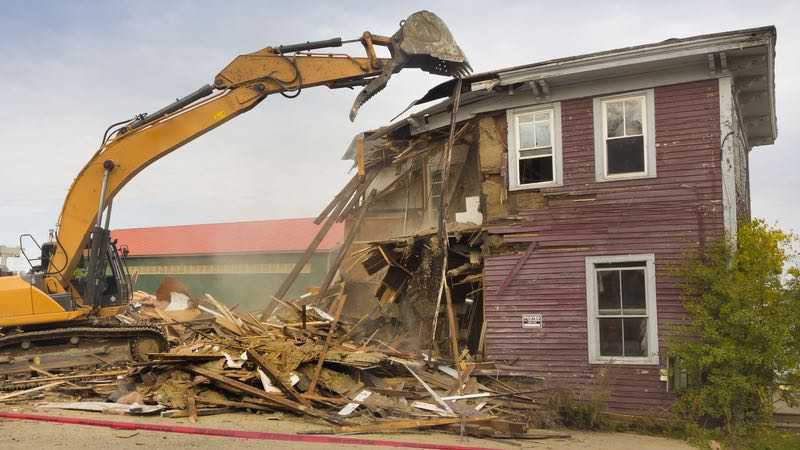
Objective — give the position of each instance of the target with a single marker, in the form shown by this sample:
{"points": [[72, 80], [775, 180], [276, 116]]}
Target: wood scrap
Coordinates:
{"points": [[237, 386], [326, 346], [106, 407], [388, 426], [31, 390], [312, 373]]}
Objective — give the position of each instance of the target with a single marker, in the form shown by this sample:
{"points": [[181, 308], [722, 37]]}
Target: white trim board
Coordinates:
{"points": [[728, 159]]}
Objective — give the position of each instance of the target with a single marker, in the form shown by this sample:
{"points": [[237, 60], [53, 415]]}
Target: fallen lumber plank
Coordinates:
{"points": [[312, 248], [105, 407], [345, 248], [430, 391], [69, 377], [339, 306], [51, 375], [239, 405], [184, 356], [239, 387], [181, 413], [347, 192], [267, 367], [411, 424], [28, 391]]}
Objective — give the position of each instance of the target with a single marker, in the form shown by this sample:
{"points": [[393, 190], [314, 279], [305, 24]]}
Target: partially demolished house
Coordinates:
{"points": [[574, 188]]}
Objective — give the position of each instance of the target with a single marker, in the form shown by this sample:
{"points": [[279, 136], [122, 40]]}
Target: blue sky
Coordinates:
{"points": [[71, 68]]}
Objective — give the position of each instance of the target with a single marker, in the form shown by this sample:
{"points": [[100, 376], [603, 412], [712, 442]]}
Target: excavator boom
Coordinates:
{"points": [[423, 41], [57, 306]]}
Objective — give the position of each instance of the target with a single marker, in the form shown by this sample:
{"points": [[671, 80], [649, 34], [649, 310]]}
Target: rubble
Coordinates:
{"points": [[394, 368], [224, 361]]}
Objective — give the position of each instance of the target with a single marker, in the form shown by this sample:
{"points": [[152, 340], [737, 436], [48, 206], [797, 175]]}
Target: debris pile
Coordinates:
{"points": [[400, 366], [224, 361]]}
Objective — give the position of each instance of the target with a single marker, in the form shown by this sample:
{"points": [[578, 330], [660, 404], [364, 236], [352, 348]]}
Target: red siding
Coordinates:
{"points": [[668, 216]]}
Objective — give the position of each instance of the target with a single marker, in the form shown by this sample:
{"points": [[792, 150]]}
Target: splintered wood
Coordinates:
{"points": [[305, 357], [229, 361]]}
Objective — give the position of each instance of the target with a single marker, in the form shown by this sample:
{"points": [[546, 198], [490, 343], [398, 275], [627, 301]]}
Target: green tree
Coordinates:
{"points": [[741, 344]]}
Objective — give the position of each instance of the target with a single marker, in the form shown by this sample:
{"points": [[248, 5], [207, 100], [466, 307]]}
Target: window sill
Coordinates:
{"points": [[535, 186], [604, 360], [637, 176]]}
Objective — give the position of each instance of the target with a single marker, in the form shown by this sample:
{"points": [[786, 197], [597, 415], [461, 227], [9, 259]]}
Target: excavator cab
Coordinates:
{"points": [[103, 279]]}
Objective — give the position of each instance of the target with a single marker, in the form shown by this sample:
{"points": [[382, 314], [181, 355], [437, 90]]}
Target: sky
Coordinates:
{"points": [[69, 69]]}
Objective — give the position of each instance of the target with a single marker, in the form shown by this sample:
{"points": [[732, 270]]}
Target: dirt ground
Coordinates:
{"points": [[24, 434]]}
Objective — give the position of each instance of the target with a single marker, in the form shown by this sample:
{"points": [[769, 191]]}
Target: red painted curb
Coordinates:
{"points": [[222, 432]]}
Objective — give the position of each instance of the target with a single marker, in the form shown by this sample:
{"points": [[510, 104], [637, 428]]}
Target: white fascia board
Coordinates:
{"points": [[634, 56], [771, 87], [592, 88]]}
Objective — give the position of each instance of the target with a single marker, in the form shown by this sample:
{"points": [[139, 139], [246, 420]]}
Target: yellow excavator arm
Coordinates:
{"points": [[422, 42]]}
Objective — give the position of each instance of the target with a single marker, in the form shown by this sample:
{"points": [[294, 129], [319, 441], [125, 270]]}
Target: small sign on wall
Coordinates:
{"points": [[531, 321]]}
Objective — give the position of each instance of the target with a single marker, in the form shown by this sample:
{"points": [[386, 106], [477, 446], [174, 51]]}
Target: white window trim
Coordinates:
{"points": [[648, 130], [513, 147], [592, 316]]}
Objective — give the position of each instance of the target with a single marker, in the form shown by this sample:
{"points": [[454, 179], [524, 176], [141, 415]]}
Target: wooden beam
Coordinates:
{"points": [[344, 250], [444, 203], [298, 267], [347, 191], [318, 369], [393, 425], [69, 377], [264, 364], [28, 391], [238, 387], [517, 267], [430, 391], [354, 201]]}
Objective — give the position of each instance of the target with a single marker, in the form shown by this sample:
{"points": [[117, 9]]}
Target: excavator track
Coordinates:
{"points": [[66, 349]]}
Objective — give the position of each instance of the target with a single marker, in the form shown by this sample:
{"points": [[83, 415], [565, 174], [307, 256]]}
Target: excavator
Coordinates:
{"points": [[62, 313]]}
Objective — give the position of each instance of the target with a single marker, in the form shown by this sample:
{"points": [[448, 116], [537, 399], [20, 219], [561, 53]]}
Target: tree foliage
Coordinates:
{"points": [[741, 344]]}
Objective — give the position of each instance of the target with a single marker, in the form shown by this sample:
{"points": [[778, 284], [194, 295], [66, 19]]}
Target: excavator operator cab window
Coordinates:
{"points": [[114, 283]]}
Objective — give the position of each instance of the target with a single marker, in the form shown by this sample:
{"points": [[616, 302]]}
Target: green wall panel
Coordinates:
{"points": [[230, 282]]}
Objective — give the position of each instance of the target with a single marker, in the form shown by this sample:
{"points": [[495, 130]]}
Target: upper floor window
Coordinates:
{"points": [[534, 150], [624, 136]]}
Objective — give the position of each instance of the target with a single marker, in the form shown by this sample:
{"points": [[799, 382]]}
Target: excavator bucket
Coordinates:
{"points": [[422, 42]]}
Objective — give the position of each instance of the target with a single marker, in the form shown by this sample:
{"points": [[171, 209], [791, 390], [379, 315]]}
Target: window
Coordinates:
{"points": [[534, 137], [624, 137], [621, 299]]}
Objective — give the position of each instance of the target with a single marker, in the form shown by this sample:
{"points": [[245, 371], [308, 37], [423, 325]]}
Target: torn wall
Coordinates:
{"points": [[390, 270]]}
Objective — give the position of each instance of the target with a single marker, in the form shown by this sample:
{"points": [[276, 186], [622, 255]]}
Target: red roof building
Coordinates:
{"points": [[260, 236], [240, 263]]}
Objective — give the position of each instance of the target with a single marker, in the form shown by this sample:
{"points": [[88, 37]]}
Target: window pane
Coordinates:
{"points": [[526, 137], [536, 170], [536, 152], [625, 155], [633, 292], [542, 134], [635, 336], [608, 301], [633, 117], [610, 337], [614, 122]]}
